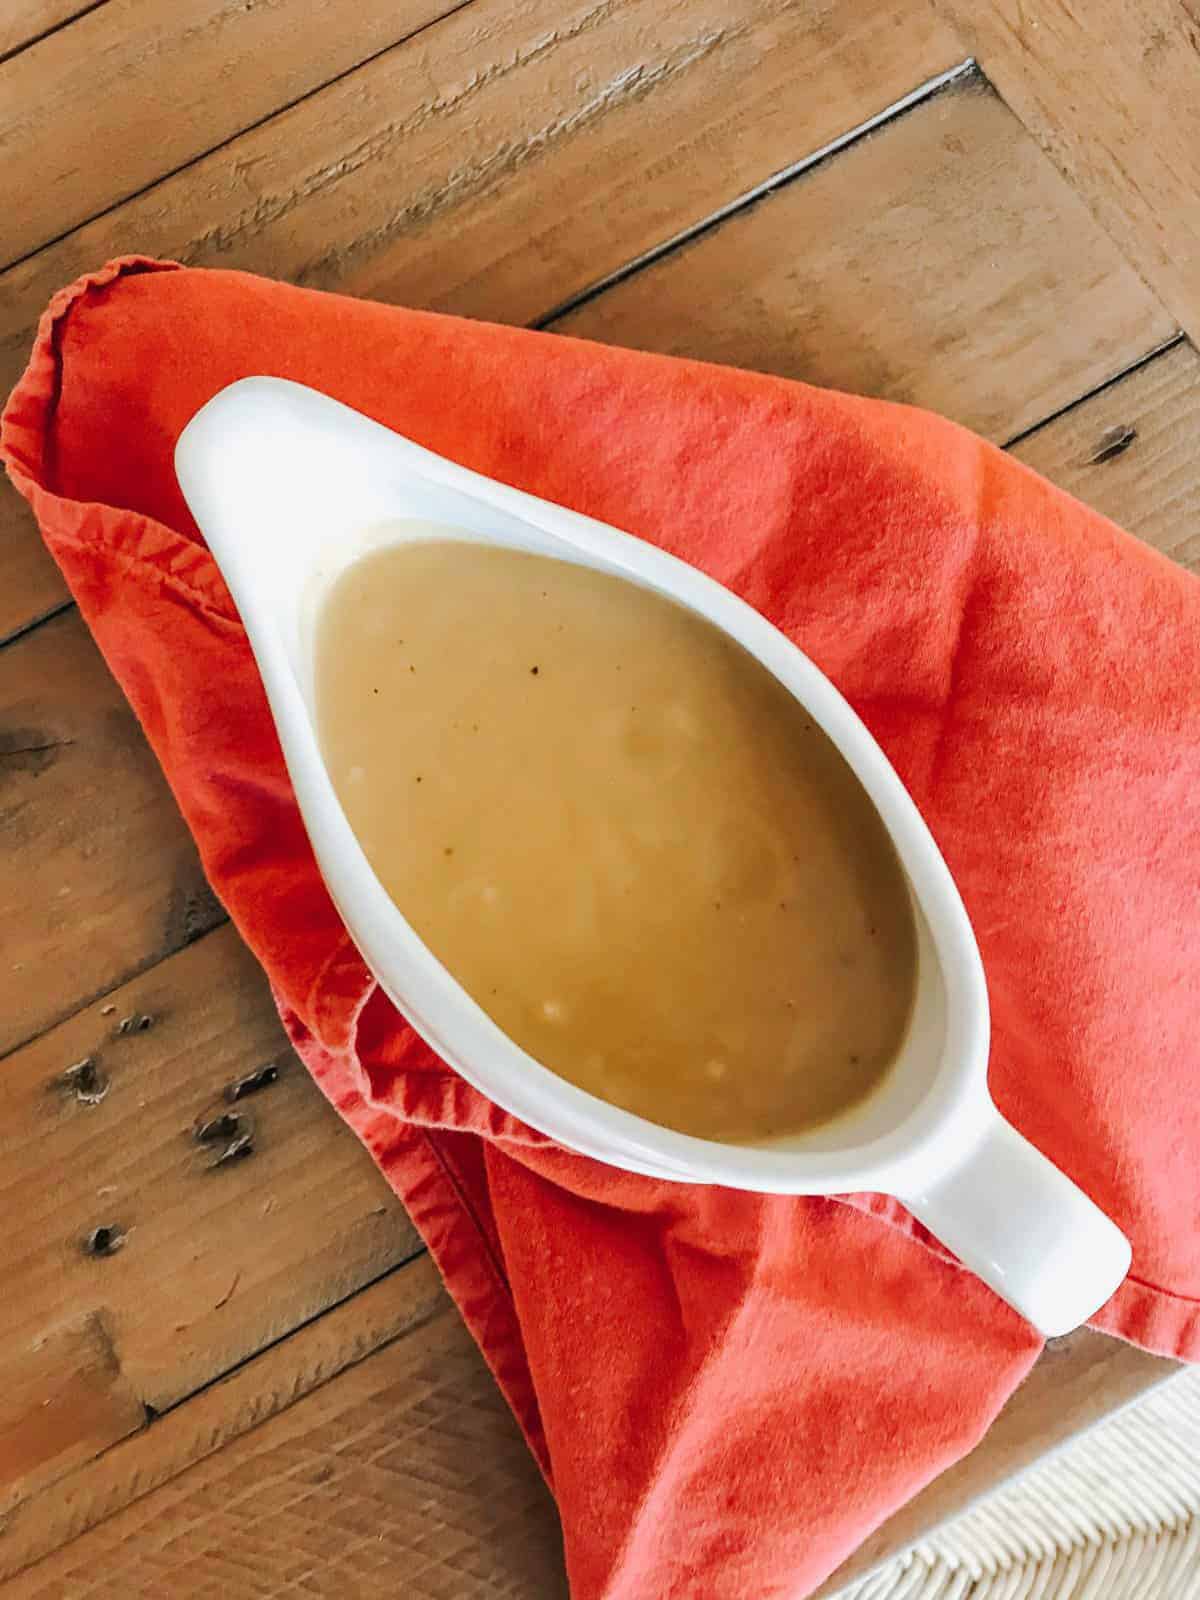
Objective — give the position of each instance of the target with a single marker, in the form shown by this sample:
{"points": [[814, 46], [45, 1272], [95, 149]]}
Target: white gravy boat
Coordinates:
{"points": [[288, 487]]}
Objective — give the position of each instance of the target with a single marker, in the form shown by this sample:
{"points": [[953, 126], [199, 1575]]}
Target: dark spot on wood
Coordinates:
{"points": [[239, 1146], [253, 1082], [152, 1412], [233, 1131], [533, 671], [87, 1081], [1112, 443], [105, 1240], [135, 1022], [222, 1125]]}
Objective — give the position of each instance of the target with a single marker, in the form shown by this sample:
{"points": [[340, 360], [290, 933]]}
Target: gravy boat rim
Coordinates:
{"points": [[955, 1097]]}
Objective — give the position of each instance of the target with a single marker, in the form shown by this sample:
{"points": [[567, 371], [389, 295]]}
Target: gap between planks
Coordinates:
{"points": [[401, 42], [41, 33], [924, 92], [1108, 90], [351, 1299], [23, 628], [1163, 349], [234, 1404]]}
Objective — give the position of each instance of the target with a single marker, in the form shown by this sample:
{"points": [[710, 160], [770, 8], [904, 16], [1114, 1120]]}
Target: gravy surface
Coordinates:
{"points": [[619, 832]]}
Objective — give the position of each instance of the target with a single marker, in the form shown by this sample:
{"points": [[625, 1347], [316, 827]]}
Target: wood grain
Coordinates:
{"points": [[1077, 1382], [897, 269], [63, 1399], [99, 878], [258, 1390], [102, 109], [1130, 451], [200, 1261], [404, 1474], [1110, 91], [496, 165]]}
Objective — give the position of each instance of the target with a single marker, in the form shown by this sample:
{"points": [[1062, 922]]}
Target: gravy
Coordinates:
{"points": [[620, 833]]}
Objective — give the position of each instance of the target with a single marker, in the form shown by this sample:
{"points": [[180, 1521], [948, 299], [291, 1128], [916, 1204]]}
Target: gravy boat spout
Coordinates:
{"points": [[289, 487]]}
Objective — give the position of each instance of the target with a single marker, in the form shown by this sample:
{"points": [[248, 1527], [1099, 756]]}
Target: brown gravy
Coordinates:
{"points": [[620, 833]]}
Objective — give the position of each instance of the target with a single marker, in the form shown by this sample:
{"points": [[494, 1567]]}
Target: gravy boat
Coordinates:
{"points": [[289, 487]]}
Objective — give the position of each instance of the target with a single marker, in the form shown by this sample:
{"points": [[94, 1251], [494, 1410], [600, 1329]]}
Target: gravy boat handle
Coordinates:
{"points": [[1022, 1226]]}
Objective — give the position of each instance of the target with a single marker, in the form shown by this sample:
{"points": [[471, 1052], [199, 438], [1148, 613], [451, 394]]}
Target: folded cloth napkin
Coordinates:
{"points": [[725, 1391]]}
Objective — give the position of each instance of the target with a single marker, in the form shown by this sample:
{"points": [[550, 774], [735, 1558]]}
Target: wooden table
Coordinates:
{"points": [[239, 1377]]}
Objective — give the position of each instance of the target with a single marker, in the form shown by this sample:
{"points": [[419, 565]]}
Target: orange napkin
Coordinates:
{"points": [[726, 1392]]}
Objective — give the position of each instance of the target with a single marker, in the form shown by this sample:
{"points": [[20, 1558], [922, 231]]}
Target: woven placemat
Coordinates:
{"points": [[1115, 1515]]}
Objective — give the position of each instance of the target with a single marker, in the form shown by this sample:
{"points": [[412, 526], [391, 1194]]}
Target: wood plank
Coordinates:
{"points": [[1076, 1383], [64, 1399], [1130, 451], [1109, 89], [943, 262], [200, 1261], [405, 1468], [99, 874], [24, 21], [84, 108], [35, 589], [261, 1388], [497, 164]]}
